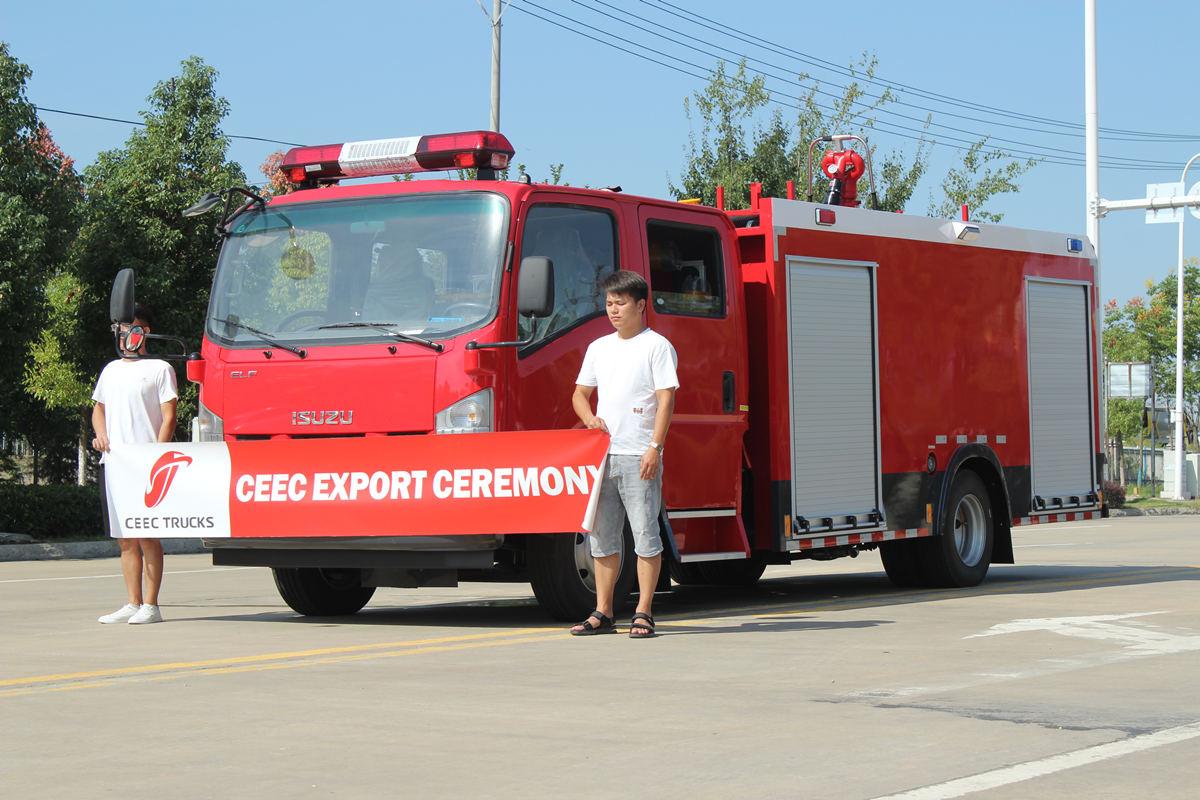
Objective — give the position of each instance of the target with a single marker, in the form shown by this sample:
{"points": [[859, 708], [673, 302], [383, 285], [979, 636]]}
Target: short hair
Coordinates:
{"points": [[625, 282], [144, 313]]}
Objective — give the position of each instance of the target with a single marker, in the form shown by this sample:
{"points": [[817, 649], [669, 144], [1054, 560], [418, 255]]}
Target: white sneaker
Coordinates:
{"points": [[122, 614], [145, 615]]}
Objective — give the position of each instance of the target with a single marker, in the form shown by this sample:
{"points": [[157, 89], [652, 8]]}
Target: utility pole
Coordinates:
{"points": [[1091, 110], [498, 7]]}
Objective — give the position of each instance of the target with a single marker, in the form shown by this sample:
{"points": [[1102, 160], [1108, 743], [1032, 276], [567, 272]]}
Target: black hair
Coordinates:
{"points": [[625, 282], [144, 314]]}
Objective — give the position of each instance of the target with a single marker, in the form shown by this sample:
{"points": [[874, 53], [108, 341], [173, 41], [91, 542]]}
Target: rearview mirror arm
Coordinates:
{"points": [[474, 345]]}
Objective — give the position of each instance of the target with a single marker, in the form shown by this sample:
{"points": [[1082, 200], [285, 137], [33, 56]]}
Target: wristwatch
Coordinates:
{"points": [[657, 447]]}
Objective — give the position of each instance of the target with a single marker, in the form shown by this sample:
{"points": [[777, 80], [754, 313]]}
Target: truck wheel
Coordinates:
{"points": [[743, 572], [686, 574], [561, 573], [961, 554], [901, 562], [322, 592]]}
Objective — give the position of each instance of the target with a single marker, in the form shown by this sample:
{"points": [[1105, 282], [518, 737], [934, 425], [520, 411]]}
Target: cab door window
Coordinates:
{"points": [[686, 274], [582, 244]]}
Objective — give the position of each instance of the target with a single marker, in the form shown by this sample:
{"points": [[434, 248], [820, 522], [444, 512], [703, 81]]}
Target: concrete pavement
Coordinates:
{"points": [[822, 682]]}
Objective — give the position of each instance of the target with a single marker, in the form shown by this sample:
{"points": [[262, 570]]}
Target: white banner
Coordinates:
{"points": [[156, 491]]}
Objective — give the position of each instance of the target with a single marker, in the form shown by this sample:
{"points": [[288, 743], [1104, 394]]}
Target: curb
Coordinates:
{"points": [[1153, 512], [54, 551]]}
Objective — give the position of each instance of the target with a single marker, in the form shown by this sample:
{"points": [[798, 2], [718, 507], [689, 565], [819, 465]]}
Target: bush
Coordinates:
{"points": [[1114, 494], [51, 512]]}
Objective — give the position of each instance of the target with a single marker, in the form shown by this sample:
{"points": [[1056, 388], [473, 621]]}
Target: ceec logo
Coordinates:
{"points": [[162, 474]]}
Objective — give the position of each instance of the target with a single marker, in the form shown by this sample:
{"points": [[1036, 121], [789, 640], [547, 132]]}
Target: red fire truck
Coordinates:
{"points": [[850, 379]]}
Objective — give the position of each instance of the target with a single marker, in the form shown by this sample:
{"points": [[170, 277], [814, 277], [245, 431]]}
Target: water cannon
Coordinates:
{"points": [[844, 168]]}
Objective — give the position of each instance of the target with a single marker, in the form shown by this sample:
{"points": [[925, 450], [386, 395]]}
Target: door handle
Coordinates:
{"points": [[727, 392]]}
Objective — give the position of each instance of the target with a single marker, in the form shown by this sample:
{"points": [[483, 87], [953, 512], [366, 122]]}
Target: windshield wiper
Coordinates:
{"points": [[263, 336], [389, 329]]}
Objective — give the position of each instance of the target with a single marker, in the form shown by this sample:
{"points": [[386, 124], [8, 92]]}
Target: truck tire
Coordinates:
{"points": [[902, 562], [741, 572], [961, 554], [686, 574], [317, 592], [560, 571]]}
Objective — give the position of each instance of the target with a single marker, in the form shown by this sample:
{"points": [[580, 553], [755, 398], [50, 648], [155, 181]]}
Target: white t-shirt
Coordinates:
{"points": [[626, 373], [133, 392]]}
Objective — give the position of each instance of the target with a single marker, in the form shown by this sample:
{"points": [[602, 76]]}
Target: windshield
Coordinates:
{"points": [[427, 265]]}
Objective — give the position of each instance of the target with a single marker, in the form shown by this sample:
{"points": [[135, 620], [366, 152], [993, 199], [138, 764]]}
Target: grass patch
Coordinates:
{"points": [[1160, 502]]}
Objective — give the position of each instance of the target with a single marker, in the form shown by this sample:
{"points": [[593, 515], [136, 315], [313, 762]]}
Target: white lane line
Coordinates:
{"points": [[1047, 766], [1061, 526], [94, 577]]}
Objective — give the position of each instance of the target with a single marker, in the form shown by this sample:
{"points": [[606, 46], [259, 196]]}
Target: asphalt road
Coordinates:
{"points": [[1071, 674]]}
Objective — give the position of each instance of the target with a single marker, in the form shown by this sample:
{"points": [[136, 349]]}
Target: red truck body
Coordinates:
{"points": [[841, 371]]}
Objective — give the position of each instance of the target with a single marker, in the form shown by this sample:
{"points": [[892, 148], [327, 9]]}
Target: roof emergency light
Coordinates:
{"points": [[486, 151]]}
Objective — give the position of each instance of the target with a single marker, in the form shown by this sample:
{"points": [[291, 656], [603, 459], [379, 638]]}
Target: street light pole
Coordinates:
{"points": [[1180, 483]]}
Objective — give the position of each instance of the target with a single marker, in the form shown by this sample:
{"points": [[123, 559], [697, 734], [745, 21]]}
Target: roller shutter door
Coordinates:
{"points": [[835, 443], [1060, 394]]}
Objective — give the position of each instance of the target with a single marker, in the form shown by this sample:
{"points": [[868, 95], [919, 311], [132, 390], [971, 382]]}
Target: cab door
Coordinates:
{"points": [[581, 237], [696, 303]]}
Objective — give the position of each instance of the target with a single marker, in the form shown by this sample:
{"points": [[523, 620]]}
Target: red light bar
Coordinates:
{"points": [[325, 163], [826, 216]]}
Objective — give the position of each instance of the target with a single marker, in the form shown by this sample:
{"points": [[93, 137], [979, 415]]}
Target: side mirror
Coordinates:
{"points": [[535, 290], [120, 303], [206, 203]]}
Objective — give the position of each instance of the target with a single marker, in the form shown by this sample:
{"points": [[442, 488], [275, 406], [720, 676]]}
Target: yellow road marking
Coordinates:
{"points": [[294, 654], [293, 659], [279, 665]]}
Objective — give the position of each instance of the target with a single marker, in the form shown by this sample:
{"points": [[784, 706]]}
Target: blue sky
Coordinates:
{"points": [[320, 72]]}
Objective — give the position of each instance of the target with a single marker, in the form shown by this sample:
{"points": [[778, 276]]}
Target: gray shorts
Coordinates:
{"points": [[624, 494]]}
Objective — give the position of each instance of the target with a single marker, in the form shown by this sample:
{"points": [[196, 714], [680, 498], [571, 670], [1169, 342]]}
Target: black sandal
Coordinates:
{"points": [[645, 631], [606, 625]]}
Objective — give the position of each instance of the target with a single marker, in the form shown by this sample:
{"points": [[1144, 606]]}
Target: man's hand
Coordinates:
{"points": [[595, 423], [100, 442], [650, 463]]}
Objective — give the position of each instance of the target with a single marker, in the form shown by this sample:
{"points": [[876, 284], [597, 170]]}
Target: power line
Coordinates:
{"points": [[897, 100], [143, 124], [877, 108], [884, 127], [821, 63]]}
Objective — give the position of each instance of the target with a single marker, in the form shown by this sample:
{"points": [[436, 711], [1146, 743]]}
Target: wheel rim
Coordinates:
{"points": [[584, 565], [970, 529]]}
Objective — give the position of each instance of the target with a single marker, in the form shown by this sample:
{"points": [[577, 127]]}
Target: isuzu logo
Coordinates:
{"points": [[329, 417]]}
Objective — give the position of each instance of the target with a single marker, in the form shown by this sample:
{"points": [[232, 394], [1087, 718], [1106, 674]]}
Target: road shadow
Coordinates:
{"points": [[867, 590], [769, 625], [826, 592]]}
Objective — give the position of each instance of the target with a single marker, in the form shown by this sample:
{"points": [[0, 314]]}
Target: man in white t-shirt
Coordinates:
{"points": [[634, 372], [135, 403]]}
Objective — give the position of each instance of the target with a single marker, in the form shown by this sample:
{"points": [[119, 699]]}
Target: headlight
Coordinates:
{"points": [[472, 414], [207, 426]]}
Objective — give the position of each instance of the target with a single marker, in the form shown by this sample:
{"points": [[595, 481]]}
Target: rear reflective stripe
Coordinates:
{"points": [[862, 538], [1071, 516]]}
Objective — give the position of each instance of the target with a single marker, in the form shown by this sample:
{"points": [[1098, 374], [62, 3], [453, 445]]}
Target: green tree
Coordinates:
{"points": [[39, 199], [722, 153], [1144, 330], [974, 183], [132, 218]]}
